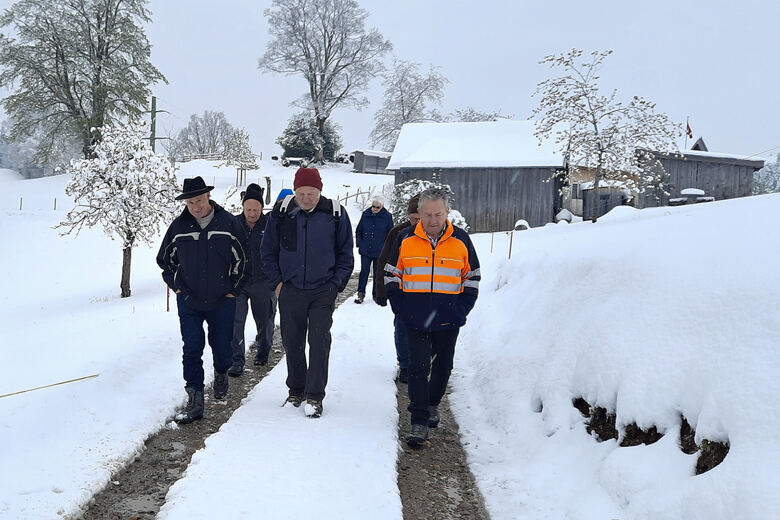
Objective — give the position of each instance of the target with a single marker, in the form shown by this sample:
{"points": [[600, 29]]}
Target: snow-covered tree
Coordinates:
{"points": [[472, 115], [74, 65], [126, 188], [767, 179], [406, 190], [327, 43], [205, 134], [302, 138], [409, 94], [238, 151], [596, 131]]}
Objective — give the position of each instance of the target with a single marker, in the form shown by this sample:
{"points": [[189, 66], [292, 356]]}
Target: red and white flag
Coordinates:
{"points": [[688, 130]]}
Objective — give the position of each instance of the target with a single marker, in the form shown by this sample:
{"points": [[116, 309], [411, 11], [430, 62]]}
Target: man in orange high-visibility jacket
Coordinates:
{"points": [[432, 280]]}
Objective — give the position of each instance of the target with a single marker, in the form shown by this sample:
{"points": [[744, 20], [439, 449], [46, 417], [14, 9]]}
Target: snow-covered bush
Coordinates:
{"points": [[126, 188], [301, 138], [408, 189]]}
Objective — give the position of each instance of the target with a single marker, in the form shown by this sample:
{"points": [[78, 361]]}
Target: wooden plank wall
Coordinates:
{"points": [[493, 199]]}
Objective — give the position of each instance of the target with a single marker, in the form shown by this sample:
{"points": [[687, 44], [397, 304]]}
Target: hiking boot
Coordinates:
{"points": [[236, 370], [313, 409], [293, 400], [194, 409], [403, 375], [253, 345], [260, 361], [418, 434], [220, 385], [433, 418], [360, 297]]}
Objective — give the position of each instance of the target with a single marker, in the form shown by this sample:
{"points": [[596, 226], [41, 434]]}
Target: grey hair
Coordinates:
{"points": [[434, 194]]}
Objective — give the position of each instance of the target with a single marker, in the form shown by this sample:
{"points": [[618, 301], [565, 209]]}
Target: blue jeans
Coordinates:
{"points": [[401, 343], [220, 324], [366, 266]]}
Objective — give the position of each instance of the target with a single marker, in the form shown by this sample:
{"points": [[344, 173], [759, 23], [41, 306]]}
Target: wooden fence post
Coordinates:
{"points": [[55, 203], [511, 236], [491, 243], [20, 203]]}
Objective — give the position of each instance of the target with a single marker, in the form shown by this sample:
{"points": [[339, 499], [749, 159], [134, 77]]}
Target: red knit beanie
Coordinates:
{"points": [[307, 177]]}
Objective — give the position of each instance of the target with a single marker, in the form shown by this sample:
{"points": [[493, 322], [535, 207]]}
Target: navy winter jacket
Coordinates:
{"points": [[371, 232], [204, 264], [251, 238], [308, 249]]}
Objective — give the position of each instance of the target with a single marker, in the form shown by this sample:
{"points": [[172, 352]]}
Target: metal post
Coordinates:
{"points": [[20, 203], [55, 203], [511, 236], [491, 243]]}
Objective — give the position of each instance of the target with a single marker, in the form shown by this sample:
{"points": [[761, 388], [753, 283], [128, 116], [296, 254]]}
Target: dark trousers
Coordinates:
{"points": [[302, 311], [220, 326], [258, 294], [438, 346], [367, 265], [401, 343]]}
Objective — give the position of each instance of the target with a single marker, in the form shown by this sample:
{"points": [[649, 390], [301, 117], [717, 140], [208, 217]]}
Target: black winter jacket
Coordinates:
{"points": [[251, 238], [204, 264], [308, 249]]}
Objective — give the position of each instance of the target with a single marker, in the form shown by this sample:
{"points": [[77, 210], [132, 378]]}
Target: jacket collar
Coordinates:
{"points": [[186, 215]]}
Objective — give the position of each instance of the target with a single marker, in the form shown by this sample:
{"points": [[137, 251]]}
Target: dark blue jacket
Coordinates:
{"points": [[308, 249], [204, 264], [251, 238], [371, 232]]}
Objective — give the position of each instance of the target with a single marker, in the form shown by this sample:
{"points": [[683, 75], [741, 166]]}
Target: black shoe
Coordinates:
{"points": [[403, 375], [360, 297], [260, 361], [236, 370], [194, 409], [220, 385], [418, 434], [313, 409], [293, 400], [433, 418]]}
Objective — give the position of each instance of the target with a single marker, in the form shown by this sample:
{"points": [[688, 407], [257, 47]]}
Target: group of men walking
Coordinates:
{"points": [[301, 256]]}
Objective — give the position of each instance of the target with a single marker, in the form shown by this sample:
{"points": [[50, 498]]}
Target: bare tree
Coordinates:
{"points": [[74, 65], [408, 96], [326, 42], [126, 188], [597, 131], [205, 134]]}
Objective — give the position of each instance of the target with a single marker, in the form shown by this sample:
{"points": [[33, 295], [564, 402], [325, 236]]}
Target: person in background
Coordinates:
{"points": [[202, 261], [375, 223], [308, 259], [256, 289], [432, 283], [401, 342]]}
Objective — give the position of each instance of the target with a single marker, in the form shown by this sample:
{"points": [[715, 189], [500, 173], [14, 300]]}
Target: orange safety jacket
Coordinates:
{"points": [[432, 288]]}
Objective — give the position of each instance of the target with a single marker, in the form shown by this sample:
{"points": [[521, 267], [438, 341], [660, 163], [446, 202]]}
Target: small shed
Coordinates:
{"points": [[497, 169], [719, 175], [609, 195], [371, 161]]}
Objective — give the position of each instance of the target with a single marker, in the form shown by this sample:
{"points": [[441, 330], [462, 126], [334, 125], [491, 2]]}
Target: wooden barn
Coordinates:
{"points": [[371, 161], [497, 169], [722, 176]]}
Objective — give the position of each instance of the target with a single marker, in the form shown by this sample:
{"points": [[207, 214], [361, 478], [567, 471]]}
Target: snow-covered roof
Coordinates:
{"points": [[497, 144], [717, 155], [604, 183], [375, 153]]}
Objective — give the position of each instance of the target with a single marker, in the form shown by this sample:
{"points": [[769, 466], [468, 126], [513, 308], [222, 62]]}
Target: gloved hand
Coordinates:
{"points": [[382, 302]]}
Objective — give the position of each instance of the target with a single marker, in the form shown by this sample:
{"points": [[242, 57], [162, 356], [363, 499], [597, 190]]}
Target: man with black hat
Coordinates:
{"points": [[203, 262], [256, 289], [307, 256]]}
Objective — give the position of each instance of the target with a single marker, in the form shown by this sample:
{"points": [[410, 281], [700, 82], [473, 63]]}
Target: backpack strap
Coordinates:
{"points": [[285, 203], [336, 208]]}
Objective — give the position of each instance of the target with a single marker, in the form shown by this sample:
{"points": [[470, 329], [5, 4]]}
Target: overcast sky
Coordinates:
{"points": [[715, 61]]}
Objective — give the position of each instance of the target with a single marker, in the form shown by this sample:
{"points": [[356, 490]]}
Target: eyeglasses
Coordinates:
{"points": [[376, 207]]}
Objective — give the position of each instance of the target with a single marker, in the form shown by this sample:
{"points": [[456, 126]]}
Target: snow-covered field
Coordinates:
{"points": [[651, 314]]}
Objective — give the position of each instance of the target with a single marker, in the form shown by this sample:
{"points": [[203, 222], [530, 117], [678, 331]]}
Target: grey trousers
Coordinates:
{"points": [[258, 294], [305, 311]]}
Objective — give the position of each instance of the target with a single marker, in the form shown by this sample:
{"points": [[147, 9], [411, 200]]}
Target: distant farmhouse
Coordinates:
{"points": [[371, 161], [497, 169]]}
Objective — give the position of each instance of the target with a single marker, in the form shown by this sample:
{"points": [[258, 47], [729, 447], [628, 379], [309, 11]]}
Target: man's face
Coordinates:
{"points": [[414, 218], [199, 206], [307, 197], [252, 211], [433, 214], [376, 207]]}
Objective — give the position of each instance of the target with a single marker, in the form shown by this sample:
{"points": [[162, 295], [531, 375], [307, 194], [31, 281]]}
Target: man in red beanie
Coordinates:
{"points": [[307, 256]]}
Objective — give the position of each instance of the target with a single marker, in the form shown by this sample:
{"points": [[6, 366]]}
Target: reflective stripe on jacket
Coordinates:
{"points": [[432, 288]]}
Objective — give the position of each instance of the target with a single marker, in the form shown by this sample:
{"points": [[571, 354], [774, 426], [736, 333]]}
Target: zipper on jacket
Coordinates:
{"points": [[305, 244]]}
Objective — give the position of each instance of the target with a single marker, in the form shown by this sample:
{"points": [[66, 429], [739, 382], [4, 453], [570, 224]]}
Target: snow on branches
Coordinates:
{"points": [[126, 188], [597, 131], [238, 151], [406, 190]]}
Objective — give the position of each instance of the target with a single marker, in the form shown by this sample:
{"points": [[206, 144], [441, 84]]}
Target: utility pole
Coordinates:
{"points": [[153, 137]]}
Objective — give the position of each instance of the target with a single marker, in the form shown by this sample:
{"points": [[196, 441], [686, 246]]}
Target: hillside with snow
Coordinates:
{"points": [[653, 315]]}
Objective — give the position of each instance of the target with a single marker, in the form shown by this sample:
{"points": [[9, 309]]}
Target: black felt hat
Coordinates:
{"points": [[194, 187]]}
